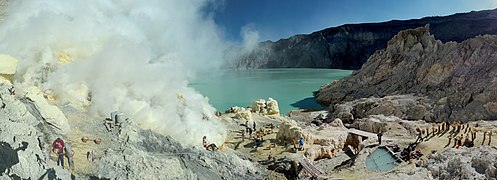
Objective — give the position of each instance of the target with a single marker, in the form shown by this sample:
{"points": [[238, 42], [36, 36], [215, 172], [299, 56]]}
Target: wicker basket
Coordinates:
{"points": [[85, 139], [97, 141]]}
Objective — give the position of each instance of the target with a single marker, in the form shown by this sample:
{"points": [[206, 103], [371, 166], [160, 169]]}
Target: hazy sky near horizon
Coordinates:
{"points": [[276, 19]]}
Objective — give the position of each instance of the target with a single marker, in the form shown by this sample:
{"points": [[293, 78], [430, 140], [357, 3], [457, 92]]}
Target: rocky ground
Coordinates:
{"points": [[417, 82], [419, 77], [445, 86], [336, 164], [29, 122], [24, 134]]}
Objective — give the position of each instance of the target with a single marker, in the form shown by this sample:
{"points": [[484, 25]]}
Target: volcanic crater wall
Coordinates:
{"points": [[350, 45], [457, 81]]}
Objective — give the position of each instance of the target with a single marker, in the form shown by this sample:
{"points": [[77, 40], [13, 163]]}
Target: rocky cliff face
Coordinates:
{"points": [[156, 156], [453, 81], [349, 46], [24, 139], [29, 123]]}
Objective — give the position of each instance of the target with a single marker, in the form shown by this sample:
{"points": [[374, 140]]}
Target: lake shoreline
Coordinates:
{"points": [[291, 87]]}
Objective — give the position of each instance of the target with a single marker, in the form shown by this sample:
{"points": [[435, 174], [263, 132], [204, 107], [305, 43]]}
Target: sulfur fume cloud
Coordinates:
{"points": [[133, 56], [250, 37]]}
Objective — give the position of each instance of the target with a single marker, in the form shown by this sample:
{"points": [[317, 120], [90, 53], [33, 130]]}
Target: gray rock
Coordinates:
{"points": [[403, 106], [464, 163], [406, 173], [156, 156], [447, 81], [21, 154], [27, 128], [51, 114]]}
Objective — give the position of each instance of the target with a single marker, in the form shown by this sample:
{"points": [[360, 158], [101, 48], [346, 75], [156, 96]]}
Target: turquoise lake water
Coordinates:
{"points": [[292, 88]]}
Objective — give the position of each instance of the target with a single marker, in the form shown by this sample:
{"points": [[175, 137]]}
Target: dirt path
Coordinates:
{"points": [[92, 127], [439, 141]]}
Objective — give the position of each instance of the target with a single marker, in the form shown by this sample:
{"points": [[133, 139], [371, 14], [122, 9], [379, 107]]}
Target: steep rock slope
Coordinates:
{"points": [[456, 80], [349, 46], [156, 156], [28, 125], [23, 141]]}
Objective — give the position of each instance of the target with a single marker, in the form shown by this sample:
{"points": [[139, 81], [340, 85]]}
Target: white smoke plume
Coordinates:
{"points": [[250, 37], [133, 56]]}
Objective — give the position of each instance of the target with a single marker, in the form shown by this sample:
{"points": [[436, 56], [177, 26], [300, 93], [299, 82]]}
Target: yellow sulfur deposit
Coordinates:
{"points": [[8, 64], [63, 57]]}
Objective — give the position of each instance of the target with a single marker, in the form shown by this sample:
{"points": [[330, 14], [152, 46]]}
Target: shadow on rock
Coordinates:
{"points": [[97, 178], [9, 156], [289, 168], [308, 103], [50, 174], [249, 145], [345, 164]]}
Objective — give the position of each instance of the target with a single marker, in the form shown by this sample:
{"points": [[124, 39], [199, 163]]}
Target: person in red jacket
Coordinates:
{"points": [[58, 147]]}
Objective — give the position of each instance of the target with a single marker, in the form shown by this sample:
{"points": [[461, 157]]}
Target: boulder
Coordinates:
{"points": [[320, 152], [337, 123], [389, 125], [258, 106], [269, 107], [51, 114], [376, 123], [326, 135], [290, 132], [8, 64], [272, 107], [244, 114], [403, 106], [353, 141], [235, 109]]}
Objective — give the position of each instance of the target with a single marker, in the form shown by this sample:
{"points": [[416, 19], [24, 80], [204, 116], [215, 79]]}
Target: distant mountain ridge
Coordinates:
{"points": [[349, 46]]}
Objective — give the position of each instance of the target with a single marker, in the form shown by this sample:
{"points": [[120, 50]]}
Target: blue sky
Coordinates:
{"points": [[276, 19]]}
